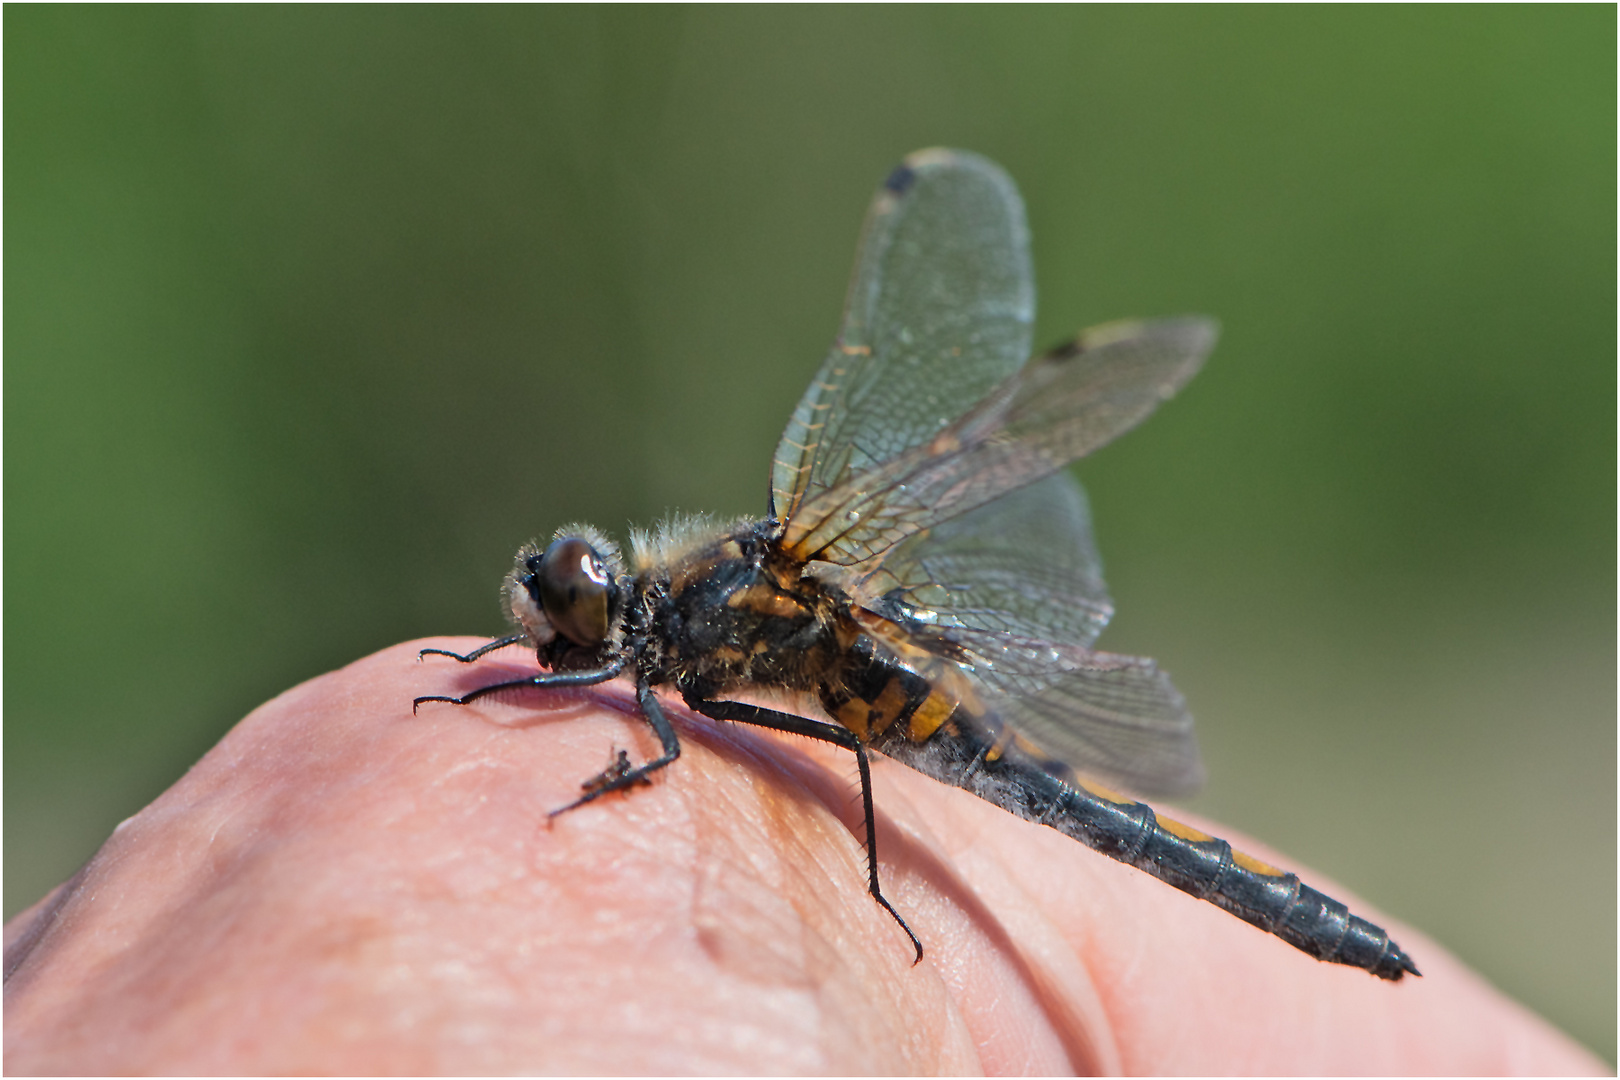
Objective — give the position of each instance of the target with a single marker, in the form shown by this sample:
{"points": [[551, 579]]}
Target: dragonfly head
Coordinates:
{"points": [[572, 588]]}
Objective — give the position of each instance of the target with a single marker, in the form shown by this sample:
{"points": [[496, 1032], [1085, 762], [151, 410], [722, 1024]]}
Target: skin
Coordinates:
{"points": [[342, 887]]}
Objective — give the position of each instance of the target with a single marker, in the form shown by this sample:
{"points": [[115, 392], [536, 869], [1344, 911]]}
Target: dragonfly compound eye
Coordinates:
{"points": [[576, 589]]}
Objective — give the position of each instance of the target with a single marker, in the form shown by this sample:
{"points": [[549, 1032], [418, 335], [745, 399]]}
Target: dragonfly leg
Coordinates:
{"points": [[741, 713], [544, 680], [618, 777], [498, 643]]}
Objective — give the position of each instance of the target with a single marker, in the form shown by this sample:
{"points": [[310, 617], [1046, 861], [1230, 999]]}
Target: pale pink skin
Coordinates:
{"points": [[342, 887]]}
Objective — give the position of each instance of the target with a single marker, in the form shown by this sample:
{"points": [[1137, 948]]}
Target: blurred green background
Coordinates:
{"points": [[312, 315]]}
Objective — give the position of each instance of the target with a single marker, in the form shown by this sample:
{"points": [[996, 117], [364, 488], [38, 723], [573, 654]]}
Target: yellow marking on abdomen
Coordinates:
{"points": [[1186, 832], [889, 704], [930, 715], [1105, 793], [1249, 862], [853, 714]]}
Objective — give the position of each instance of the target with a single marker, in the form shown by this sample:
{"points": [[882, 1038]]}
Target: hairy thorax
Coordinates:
{"points": [[729, 610]]}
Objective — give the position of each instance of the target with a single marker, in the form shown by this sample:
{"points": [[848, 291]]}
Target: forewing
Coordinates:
{"points": [[939, 312], [1024, 564], [1058, 407]]}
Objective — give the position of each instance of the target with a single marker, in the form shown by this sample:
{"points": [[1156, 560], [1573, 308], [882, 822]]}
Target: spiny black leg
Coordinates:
{"points": [[544, 680], [498, 643], [862, 762], [617, 778], [815, 729]]}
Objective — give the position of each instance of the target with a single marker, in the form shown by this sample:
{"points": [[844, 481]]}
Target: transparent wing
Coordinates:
{"points": [[1012, 593], [899, 473], [1117, 719], [938, 313], [1058, 407], [1024, 564], [1110, 717]]}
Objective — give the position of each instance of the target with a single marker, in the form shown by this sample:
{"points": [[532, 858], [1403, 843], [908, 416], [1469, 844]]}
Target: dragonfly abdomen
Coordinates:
{"points": [[1204, 866], [1209, 868]]}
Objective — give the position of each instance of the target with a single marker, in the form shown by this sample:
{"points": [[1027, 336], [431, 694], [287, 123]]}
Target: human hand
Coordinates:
{"points": [[343, 887]]}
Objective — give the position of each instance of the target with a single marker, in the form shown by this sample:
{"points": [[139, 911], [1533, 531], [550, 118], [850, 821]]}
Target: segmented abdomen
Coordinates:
{"points": [[923, 725]]}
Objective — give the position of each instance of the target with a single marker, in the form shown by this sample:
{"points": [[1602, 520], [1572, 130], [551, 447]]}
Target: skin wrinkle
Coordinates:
{"points": [[933, 859], [28, 929], [785, 771], [911, 849]]}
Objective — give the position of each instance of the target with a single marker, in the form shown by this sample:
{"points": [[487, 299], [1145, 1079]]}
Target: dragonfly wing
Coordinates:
{"points": [[1109, 717], [1012, 594], [1024, 564], [1112, 718], [939, 311], [1058, 407], [1075, 711], [898, 477]]}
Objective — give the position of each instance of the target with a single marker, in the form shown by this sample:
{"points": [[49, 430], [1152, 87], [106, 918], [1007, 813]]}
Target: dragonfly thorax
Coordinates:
{"points": [[733, 611]]}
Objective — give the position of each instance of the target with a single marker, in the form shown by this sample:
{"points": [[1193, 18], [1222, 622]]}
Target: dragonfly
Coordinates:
{"points": [[925, 571]]}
